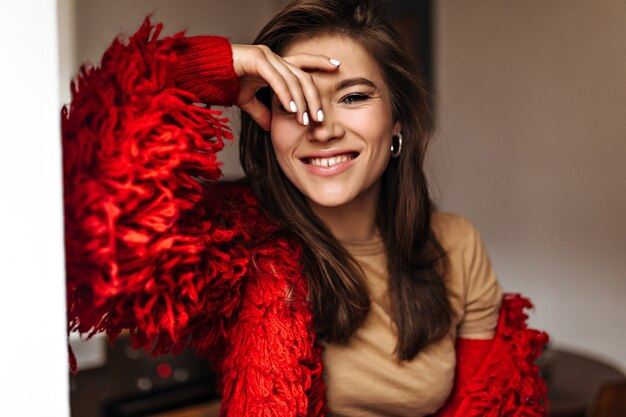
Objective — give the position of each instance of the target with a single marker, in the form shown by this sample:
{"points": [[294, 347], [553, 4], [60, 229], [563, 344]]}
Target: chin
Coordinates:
{"points": [[329, 199]]}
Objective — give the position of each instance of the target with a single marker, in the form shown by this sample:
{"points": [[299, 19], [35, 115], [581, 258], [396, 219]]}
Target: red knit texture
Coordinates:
{"points": [[205, 69], [499, 377]]}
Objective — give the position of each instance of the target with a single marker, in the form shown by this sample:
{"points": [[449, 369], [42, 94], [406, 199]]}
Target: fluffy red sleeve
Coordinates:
{"points": [[498, 377], [145, 249]]}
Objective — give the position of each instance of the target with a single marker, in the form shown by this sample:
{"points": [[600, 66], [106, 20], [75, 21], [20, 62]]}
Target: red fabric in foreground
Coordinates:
{"points": [[155, 247], [499, 377]]}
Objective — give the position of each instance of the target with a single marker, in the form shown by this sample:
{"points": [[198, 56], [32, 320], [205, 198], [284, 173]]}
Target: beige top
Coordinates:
{"points": [[364, 378]]}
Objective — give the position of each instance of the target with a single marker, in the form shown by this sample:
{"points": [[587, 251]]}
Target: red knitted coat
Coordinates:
{"points": [[156, 246]]}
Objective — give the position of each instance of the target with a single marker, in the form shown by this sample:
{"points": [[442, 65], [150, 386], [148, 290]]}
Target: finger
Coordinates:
{"points": [[259, 113], [293, 80], [277, 83], [311, 93], [310, 62]]}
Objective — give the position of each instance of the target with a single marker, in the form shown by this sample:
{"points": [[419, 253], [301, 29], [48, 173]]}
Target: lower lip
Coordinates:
{"points": [[329, 171]]}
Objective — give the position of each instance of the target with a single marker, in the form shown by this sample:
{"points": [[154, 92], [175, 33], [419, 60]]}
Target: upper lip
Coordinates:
{"points": [[328, 153]]}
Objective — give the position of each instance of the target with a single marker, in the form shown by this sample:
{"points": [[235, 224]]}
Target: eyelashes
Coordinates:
{"points": [[352, 98]]}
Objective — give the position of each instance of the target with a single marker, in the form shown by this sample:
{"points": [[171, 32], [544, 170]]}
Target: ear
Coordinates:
{"points": [[397, 127]]}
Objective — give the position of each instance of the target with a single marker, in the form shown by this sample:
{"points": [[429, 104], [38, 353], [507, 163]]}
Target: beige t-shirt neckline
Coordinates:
{"points": [[364, 377], [372, 246]]}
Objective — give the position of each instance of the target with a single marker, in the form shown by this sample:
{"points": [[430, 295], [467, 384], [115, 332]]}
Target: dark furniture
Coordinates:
{"points": [[133, 384], [574, 381]]}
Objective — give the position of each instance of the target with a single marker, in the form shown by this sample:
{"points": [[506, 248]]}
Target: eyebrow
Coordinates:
{"points": [[354, 81]]}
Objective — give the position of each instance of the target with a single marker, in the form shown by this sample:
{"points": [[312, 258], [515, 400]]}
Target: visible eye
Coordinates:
{"points": [[273, 102], [279, 107], [354, 98]]}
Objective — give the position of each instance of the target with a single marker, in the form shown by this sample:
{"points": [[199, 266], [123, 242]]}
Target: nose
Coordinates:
{"points": [[328, 129]]}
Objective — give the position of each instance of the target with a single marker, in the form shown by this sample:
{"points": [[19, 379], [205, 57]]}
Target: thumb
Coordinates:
{"points": [[259, 113]]}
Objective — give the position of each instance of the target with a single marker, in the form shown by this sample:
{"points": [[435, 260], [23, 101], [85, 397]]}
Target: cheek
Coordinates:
{"points": [[284, 133], [374, 126], [376, 129]]}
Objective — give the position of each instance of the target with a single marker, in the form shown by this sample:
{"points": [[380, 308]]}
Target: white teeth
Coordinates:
{"points": [[329, 162]]}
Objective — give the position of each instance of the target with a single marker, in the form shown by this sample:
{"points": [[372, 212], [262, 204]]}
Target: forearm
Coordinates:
{"points": [[134, 147], [498, 376]]}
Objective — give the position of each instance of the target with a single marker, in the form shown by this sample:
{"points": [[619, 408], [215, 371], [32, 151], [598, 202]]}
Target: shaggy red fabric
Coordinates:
{"points": [[155, 246], [134, 149], [499, 377]]}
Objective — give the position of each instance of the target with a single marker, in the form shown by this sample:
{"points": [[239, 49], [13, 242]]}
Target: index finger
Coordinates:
{"points": [[309, 62]]}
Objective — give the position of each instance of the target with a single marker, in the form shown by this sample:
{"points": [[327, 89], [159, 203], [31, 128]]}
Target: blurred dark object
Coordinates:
{"points": [[134, 384], [574, 382], [611, 400], [413, 19], [167, 401]]}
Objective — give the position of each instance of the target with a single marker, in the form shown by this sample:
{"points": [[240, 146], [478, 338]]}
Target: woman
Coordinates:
{"points": [[328, 253]]}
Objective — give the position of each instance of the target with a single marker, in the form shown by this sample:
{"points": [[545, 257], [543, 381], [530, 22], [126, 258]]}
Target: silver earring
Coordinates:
{"points": [[396, 145]]}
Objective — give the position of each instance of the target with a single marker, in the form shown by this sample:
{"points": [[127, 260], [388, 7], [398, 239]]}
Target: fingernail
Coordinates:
{"points": [[293, 107], [305, 118], [335, 62], [320, 115]]}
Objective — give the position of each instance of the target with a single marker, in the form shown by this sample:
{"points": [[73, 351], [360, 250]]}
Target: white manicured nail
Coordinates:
{"points": [[293, 107], [320, 115], [335, 62], [305, 118]]}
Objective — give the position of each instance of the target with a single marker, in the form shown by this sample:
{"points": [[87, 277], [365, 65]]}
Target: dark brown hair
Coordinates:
{"points": [[416, 261]]}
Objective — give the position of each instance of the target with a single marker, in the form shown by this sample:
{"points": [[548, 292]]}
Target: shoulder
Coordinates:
{"points": [[467, 255], [473, 288], [453, 232], [237, 207], [238, 192]]}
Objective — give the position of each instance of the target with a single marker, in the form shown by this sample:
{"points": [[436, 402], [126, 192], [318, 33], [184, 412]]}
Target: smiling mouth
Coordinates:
{"points": [[331, 161]]}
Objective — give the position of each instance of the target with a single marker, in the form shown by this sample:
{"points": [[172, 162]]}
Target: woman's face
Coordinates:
{"points": [[341, 160]]}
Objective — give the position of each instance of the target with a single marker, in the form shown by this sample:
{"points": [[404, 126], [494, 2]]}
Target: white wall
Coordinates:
{"points": [[68, 40], [532, 103], [32, 293]]}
